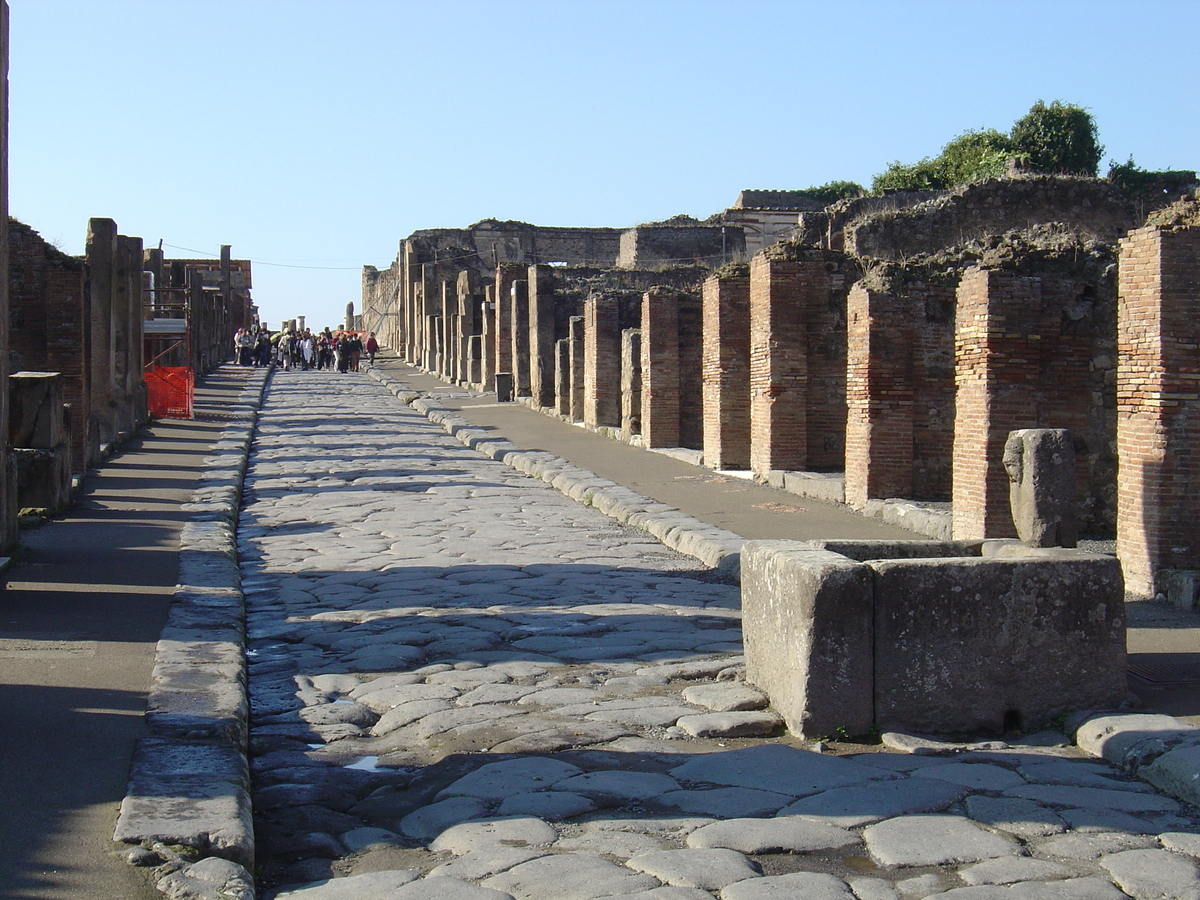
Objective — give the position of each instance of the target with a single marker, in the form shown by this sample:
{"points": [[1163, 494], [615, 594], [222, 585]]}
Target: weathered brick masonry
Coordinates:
{"points": [[1158, 401], [726, 369]]}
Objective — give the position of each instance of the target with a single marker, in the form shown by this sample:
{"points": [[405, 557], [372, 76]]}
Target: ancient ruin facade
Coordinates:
{"points": [[889, 345]]}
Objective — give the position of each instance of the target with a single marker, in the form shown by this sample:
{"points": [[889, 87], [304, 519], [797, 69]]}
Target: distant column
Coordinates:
{"points": [[100, 254], [487, 377], [575, 348], [562, 377], [506, 275], [879, 397], [541, 335], [633, 394], [520, 338], [660, 368], [726, 368], [778, 368], [602, 359]]}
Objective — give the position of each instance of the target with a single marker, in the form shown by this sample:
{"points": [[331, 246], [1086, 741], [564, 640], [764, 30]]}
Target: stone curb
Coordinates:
{"points": [[189, 786], [1159, 749], [715, 547]]}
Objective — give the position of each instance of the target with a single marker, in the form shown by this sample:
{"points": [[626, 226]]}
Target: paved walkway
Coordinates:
{"points": [[465, 685], [81, 612]]}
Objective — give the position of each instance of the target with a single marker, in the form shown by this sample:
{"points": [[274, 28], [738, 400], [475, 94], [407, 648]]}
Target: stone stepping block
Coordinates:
{"points": [[429, 821], [498, 780], [849, 807], [709, 870], [617, 785], [725, 697], [731, 724], [806, 885], [726, 803], [516, 831], [1153, 873], [777, 768], [782, 834], [933, 841], [650, 716], [1024, 818], [569, 877]]}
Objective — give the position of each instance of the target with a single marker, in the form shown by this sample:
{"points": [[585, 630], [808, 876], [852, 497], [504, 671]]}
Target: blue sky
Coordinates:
{"points": [[314, 136]]}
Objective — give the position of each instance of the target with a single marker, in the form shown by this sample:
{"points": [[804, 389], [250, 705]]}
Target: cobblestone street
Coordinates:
{"points": [[466, 685]]}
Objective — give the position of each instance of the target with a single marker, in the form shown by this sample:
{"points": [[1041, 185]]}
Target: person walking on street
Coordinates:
{"points": [[372, 347]]}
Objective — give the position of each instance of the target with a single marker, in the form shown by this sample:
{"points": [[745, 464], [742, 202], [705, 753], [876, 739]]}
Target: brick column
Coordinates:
{"points": [[8, 489], [100, 253], [691, 374], [778, 367], [541, 335], [575, 349], [1158, 412], [995, 373], [726, 367], [562, 377], [601, 361], [660, 368], [506, 275], [633, 394], [520, 338], [487, 373], [879, 396]]}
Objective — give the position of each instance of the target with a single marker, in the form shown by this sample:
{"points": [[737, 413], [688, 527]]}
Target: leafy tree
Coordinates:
{"points": [[1060, 138], [832, 191], [971, 156]]}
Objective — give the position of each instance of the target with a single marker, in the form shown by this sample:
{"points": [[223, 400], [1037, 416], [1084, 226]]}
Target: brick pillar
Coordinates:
{"points": [[506, 274], [575, 349], [601, 361], [633, 394], [726, 368], [487, 371], [691, 374], [541, 335], [879, 396], [562, 377], [100, 253], [127, 333], [660, 368], [778, 367], [448, 359], [520, 338], [1158, 412], [996, 371]]}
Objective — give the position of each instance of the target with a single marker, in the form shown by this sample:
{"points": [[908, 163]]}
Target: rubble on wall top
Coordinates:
{"points": [[1179, 216]]}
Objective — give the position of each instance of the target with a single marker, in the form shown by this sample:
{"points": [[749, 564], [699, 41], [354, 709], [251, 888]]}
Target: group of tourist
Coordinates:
{"points": [[303, 349]]}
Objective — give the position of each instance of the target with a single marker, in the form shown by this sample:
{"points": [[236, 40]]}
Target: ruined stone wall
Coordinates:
{"points": [[1088, 206], [826, 227], [47, 318], [380, 306], [648, 246], [491, 242]]}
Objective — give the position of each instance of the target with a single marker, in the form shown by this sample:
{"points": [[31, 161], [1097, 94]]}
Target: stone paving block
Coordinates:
{"points": [[573, 877], [475, 865], [731, 802], [809, 885], [933, 841], [1146, 874], [781, 834], [353, 887], [518, 831], [1024, 818], [778, 768], [727, 697], [849, 807], [732, 724], [1007, 870], [498, 780], [1122, 738], [1067, 796], [429, 821], [709, 870]]}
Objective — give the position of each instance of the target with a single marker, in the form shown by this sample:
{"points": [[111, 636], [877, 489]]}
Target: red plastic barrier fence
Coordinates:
{"points": [[170, 391]]}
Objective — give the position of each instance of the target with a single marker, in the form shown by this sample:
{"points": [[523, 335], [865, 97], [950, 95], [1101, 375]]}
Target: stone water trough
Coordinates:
{"points": [[934, 637]]}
